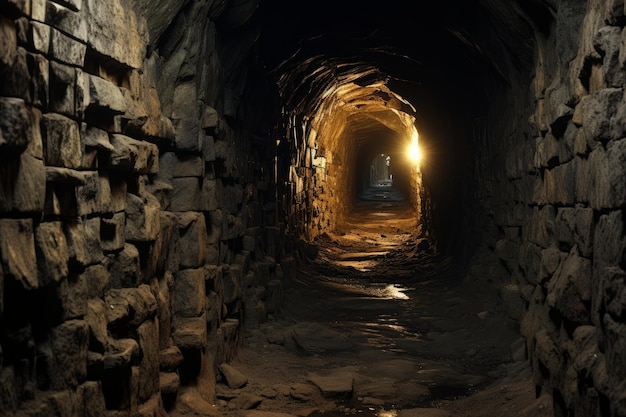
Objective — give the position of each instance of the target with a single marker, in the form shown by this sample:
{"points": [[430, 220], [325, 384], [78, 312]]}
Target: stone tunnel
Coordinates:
{"points": [[166, 167]]}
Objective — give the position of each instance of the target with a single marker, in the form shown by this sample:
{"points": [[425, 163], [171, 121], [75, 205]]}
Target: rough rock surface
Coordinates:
{"points": [[122, 275], [165, 167], [423, 342]]}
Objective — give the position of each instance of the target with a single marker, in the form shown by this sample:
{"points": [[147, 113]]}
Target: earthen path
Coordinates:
{"points": [[380, 325]]}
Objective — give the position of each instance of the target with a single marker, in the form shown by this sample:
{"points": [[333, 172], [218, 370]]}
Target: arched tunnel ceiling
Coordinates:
{"points": [[412, 47]]}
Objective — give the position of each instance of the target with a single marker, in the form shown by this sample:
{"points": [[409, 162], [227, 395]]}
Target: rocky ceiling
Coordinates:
{"points": [[411, 50], [392, 67]]}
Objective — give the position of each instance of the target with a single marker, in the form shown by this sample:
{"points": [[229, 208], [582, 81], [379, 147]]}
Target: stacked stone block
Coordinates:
{"points": [[558, 210], [310, 196], [130, 254]]}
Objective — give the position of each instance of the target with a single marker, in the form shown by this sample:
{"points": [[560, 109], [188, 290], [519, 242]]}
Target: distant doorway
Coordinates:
{"points": [[380, 172]]}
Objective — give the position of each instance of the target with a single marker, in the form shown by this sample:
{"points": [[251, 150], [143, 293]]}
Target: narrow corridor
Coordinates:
{"points": [[241, 207], [378, 324]]}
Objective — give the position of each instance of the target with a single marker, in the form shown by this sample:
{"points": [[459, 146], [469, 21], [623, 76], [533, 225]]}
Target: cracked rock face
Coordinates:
{"points": [[122, 208]]}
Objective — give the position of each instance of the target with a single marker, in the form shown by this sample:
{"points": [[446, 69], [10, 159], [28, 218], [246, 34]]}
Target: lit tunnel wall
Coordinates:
{"points": [[355, 83], [370, 125], [348, 124], [350, 127], [520, 109]]}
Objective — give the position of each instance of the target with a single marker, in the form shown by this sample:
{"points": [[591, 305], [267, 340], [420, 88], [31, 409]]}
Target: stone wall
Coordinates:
{"points": [[314, 171], [298, 190], [139, 232], [553, 191], [137, 215]]}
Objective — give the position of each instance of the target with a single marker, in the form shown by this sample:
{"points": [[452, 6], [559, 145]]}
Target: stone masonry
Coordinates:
{"points": [[133, 247], [554, 189], [147, 196]]}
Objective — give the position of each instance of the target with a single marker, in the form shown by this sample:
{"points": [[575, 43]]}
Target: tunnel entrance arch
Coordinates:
{"points": [[355, 136]]}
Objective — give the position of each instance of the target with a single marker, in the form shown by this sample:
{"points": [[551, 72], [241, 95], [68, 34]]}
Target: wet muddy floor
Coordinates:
{"points": [[378, 324]]}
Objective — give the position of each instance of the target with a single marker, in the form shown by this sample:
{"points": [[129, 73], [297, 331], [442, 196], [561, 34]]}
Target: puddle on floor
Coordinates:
{"points": [[362, 266], [384, 290], [356, 407]]}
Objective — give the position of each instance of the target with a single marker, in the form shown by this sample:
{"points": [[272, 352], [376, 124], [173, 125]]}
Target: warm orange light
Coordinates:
{"points": [[414, 153]]}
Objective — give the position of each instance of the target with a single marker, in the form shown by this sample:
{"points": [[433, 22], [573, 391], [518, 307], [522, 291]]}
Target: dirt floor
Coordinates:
{"points": [[379, 325]]}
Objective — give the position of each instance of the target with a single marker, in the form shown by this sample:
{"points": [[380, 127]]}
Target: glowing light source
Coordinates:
{"points": [[414, 153]]}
